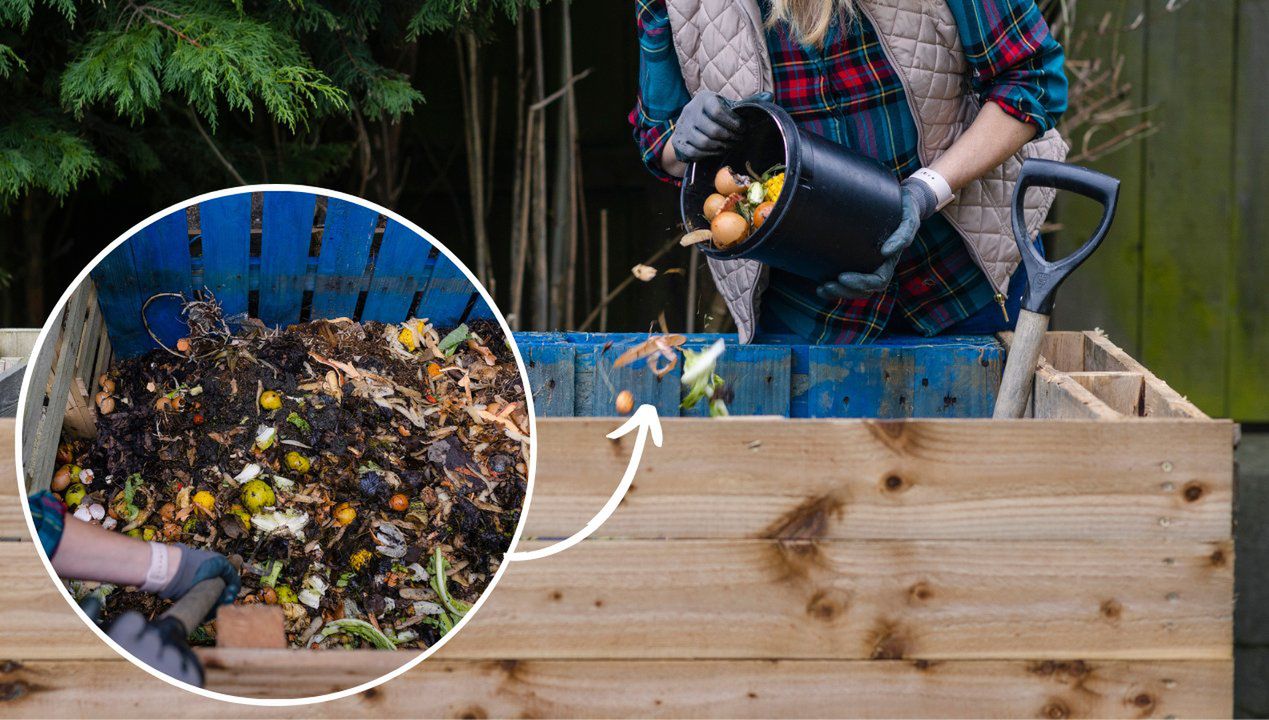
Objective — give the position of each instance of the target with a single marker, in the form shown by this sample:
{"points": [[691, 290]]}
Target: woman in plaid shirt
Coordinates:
{"points": [[832, 75]]}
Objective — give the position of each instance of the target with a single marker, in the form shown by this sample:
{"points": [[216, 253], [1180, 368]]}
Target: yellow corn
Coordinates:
{"points": [[773, 187]]}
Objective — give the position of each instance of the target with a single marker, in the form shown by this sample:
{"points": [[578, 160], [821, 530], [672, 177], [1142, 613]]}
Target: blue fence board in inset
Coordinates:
{"points": [[345, 253], [958, 377], [117, 294], [287, 233], [402, 267], [860, 381], [480, 310], [225, 223], [551, 369], [446, 296]]}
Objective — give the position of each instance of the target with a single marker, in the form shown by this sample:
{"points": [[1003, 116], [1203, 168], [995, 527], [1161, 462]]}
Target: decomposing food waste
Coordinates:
{"points": [[367, 477], [741, 204]]}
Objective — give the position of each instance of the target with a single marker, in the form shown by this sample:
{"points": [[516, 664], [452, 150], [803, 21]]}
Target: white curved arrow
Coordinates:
{"points": [[647, 421]]}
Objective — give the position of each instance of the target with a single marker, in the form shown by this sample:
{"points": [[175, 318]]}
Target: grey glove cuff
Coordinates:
{"points": [[927, 202]]}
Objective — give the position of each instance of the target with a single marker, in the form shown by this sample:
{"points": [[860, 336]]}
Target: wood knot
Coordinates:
{"points": [[1055, 710], [474, 712], [1143, 701], [829, 604], [1217, 558], [1192, 491], [1112, 609], [808, 521], [920, 593], [893, 483], [557, 595], [11, 691], [9, 666], [888, 642]]}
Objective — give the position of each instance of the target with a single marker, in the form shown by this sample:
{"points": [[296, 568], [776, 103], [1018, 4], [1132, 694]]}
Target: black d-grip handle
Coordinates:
{"points": [[1044, 277]]}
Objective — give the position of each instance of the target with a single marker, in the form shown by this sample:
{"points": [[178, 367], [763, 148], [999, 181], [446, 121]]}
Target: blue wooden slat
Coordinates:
{"points": [[957, 377], [607, 382], [402, 267], [480, 310], [758, 377], [860, 381], [446, 295], [551, 378], [287, 234], [225, 223], [161, 259], [117, 294], [341, 264]]}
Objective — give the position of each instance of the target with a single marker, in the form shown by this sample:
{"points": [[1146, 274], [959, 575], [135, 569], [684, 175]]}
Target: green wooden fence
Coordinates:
{"points": [[1179, 283]]}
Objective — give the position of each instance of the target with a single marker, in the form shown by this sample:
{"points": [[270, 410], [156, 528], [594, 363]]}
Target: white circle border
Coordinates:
{"points": [[55, 315]]}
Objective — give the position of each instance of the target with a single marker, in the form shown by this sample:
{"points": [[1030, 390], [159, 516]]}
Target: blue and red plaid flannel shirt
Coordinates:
{"points": [[849, 92]]}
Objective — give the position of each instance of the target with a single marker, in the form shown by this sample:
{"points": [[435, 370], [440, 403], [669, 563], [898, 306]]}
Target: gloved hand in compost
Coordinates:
{"points": [[707, 125], [196, 566], [919, 203]]}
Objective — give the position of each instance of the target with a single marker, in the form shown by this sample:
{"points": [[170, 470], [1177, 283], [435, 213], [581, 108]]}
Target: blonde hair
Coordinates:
{"points": [[810, 19]]}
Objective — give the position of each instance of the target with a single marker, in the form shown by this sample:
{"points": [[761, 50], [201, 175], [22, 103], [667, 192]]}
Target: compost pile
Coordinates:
{"points": [[368, 477]]}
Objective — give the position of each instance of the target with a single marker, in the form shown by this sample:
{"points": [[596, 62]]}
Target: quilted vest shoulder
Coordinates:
{"points": [[721, 46]]}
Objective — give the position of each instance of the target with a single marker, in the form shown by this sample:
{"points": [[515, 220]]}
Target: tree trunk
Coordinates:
{"points": [[564, 232], [541, 299]]}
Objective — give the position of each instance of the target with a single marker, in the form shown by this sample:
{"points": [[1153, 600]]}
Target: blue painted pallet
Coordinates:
{"points": [[895, 378], [356, 272]]}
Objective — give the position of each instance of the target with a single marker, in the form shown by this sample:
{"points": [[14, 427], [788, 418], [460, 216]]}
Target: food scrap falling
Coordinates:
{"points": [[369, 477], [740, 206], [699, 379]]}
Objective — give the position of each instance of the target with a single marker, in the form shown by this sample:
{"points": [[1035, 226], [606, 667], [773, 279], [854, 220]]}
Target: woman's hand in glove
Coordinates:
{"points": [[707, 125], [199, 565], [918, 204]]}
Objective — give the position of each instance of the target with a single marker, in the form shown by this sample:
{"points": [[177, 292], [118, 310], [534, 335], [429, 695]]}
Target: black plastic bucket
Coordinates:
{"points": [[836, 208]]}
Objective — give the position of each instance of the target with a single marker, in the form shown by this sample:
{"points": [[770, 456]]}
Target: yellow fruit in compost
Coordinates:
{"points": [[297, 462], [344, 513], [270, 400], [148, 533], [285, 594], [257, 494], [407, 338], [205, 500], [359, 559], [134, 533], [774, 186], [74, 495], [243, 516]]}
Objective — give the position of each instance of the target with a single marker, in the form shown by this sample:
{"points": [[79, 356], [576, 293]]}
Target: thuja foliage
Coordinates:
{"points": [[104, 91]]}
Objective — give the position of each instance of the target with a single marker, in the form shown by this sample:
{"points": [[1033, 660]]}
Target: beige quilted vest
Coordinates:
{"points": [[722, 47]]}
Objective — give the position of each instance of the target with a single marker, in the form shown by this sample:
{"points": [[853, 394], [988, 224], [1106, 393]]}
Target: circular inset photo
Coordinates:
{"points": [[276, 426]]}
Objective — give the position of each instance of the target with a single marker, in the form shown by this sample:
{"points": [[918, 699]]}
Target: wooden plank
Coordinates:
{"points": [[401, 269], [287, 233], [342, 262], [1248, 318], [1119, 390], [226, 229], [12, 523], [551, 378], [956, 480], [956, 379], [1158, 399], [860, 381], [446, 294], [831, 600], [639, 688], [933, 480], [1058, 397], [1106, 290], [80, 404], [17, 342], [38, 461], [1188, 212], [756, 376]]}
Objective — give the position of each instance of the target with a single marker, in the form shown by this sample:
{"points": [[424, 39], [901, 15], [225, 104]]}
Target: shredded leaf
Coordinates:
{"points": [[455, 338], [299, 422], [361, 629]]}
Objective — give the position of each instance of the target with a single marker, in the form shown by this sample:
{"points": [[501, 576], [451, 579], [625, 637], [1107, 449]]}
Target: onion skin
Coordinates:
{"points": [[61, 479], [728, 229], [725, 182]]}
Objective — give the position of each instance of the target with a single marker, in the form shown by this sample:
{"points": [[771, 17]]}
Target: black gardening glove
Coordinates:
{"points": [[707, 126], [197, 566], [919, 203], [159, 645]]}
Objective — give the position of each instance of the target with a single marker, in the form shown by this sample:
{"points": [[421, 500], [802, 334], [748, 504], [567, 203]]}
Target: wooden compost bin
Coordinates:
{"points": [[918, 562]]}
